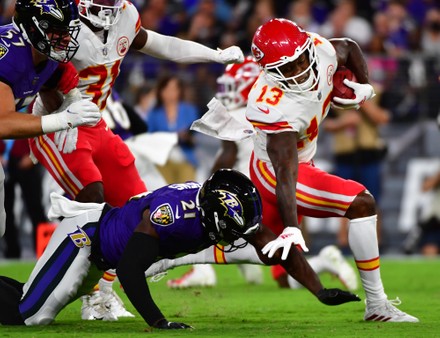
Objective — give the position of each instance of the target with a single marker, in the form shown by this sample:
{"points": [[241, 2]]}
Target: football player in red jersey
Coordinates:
{"points": [[89, 163], [234, 87], [295, 88]]}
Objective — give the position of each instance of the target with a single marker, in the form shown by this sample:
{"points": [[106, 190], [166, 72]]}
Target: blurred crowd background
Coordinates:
{"points": [[401, 41]]}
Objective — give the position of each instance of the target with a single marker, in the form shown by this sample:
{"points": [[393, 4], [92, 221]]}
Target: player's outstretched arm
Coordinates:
{"points": [[14, 124], [183, 51], [297, 266], [140, 253]]}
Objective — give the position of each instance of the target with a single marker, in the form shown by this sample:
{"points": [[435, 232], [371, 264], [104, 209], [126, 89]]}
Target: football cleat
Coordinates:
{"points": [[93, 308], [386, 311], [115, 304], [253, 274], [103, 305], [199, 275], [336, 264]]}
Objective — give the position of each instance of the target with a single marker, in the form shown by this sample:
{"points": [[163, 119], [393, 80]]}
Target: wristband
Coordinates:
{"points": [[52, 123]]}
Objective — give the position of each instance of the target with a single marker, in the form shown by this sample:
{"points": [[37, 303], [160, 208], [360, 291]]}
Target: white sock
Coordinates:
{"points": [[362, 238], [106, 281]]}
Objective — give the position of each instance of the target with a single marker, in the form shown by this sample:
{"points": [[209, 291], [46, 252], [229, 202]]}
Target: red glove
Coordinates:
{"points": [[68, 77]]}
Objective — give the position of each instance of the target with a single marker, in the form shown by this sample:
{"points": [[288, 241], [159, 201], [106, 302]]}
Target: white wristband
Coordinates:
{"points": [[52, 123]]}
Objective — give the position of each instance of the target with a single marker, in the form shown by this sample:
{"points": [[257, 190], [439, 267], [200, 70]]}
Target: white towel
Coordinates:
{"points": [[219, 123], [63, 207], [155, 147]]}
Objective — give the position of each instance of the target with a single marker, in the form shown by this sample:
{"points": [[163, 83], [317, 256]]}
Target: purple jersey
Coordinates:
{"points": [[17, 67], [174, 215]]}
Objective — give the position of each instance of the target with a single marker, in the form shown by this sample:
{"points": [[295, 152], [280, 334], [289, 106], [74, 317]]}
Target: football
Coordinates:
{"points": [[339, 88]]}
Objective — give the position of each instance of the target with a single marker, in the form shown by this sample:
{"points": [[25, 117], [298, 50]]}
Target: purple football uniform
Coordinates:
{"points": [[17, 68], [174, 215]]}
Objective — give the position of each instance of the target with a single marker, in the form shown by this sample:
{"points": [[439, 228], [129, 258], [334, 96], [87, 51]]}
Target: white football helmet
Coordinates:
{"points": [[279, 42], [101, 13]]}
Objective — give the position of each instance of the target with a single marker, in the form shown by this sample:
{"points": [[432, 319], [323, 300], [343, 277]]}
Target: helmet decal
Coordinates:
{"points": [[49, 8], [233, 206], [257, 52]]}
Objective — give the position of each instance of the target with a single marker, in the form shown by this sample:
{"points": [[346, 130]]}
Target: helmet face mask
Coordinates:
{"points": [[230, 206], [101, 13], [51, 27], [236, 82], [280, 42]]}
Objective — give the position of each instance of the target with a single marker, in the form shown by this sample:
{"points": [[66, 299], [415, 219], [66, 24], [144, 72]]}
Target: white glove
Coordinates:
{"points": [[66, 140], [363, 92], [38, 108], [231, 54], [79, 113], [290, 235]]}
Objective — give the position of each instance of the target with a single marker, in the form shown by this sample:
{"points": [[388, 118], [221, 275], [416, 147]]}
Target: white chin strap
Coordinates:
{"points": [[102, 20]]}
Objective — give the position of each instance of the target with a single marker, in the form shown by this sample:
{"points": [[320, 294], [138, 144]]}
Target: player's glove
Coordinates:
{"points": [[166, 325], [66, 140], [231, 54], [336, 296], [290, 235], [79, 113], [363, 92]]}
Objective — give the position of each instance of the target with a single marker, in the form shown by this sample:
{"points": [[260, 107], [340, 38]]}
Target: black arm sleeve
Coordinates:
{"points": [[137, 125], [141, 251]]}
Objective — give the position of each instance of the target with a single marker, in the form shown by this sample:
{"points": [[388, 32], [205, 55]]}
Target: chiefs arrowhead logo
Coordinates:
{"points": [[257, 52]]}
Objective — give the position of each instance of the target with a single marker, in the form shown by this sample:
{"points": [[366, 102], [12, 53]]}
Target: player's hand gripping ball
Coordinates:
{"points": [[339, 88]]}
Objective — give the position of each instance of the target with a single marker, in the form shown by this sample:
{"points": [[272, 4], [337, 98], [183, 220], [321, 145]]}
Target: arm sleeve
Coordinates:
{"points": [[178, 50], [141, 251], [137, 124]]}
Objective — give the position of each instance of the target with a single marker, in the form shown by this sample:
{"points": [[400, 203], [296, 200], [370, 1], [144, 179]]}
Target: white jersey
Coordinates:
{"points": [[271, 110], [98, 64], [244, 147]]}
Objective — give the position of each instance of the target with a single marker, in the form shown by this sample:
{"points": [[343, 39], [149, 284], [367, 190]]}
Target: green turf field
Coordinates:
{"points": [[234, 309]]}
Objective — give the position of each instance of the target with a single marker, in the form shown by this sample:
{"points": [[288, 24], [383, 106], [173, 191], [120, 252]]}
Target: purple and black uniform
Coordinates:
{"points": [[17, 67], [65, 269], [174, 215]]}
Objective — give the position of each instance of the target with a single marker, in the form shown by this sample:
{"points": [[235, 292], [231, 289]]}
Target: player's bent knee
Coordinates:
{"points": [[363, 205]]}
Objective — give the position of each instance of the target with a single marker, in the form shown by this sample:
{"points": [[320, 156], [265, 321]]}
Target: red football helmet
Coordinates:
{"points": [[236, 82], [101, 13], [278, 42]]}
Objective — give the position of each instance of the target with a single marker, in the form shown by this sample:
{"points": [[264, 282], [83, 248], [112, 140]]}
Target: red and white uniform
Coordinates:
{"points": [[100, 156], [271, 110]]}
